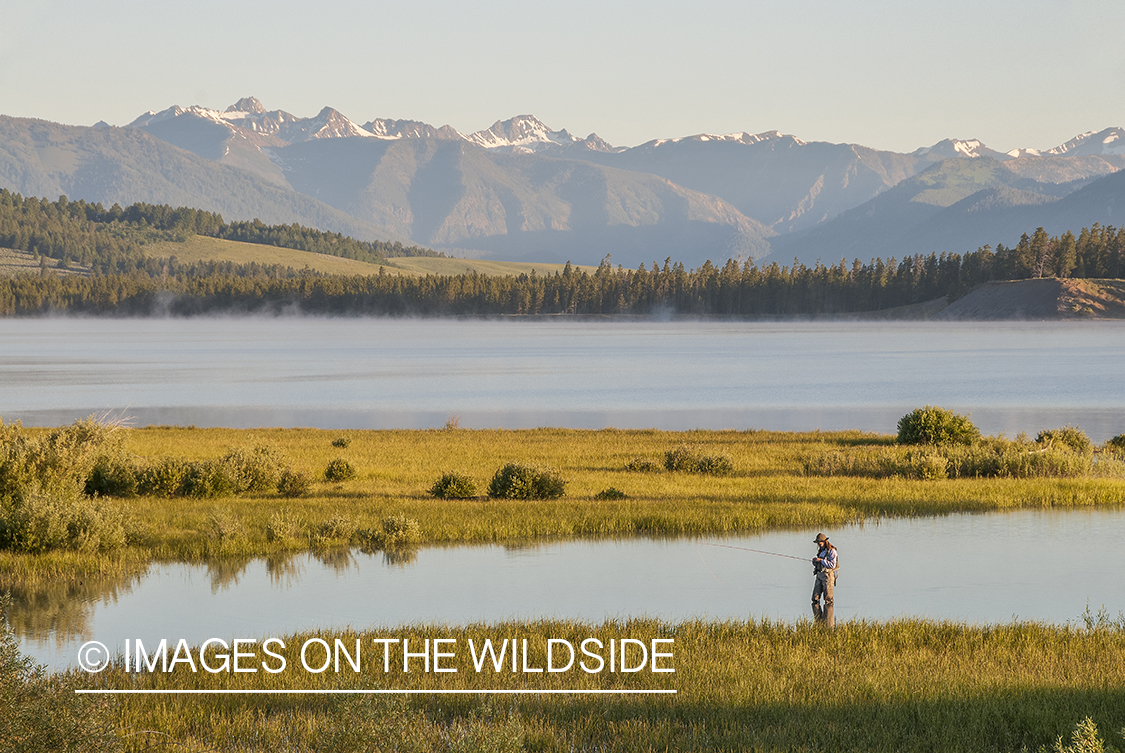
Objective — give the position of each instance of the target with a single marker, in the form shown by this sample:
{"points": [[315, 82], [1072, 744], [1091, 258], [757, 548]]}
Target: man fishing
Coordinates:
{"points": [[825, 564]]}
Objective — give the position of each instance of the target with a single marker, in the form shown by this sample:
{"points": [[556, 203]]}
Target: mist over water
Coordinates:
{"points": [[400, 373]]}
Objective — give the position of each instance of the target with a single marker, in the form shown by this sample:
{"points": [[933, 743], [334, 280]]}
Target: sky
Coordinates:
{"points": [[882, 73]]}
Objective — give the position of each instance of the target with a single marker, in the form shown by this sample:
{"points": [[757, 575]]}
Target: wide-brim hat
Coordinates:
{"points": [[820, 538]]}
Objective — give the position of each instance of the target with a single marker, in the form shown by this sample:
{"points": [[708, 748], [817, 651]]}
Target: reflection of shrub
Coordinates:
{"points": [[643, 465], [254, 469], [454, 485], [339, 470], [525, 481], [293, 484], [341, 442], [1067, 438], [933, 425], [685, 459], [611, 493]]}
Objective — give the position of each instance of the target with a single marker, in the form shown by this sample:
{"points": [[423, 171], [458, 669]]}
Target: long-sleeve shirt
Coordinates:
{"points": [[827, 555]]}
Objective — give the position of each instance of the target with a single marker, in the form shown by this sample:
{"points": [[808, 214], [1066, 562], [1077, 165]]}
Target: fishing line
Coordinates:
{"points": [[758, 551], [716, 577]]}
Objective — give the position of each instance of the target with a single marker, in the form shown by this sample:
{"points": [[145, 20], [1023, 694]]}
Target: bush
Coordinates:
{"points": [[341, 442], [114, 476], [41, 711], [206, 479], [685, 459], [61, 517], [283, 527], [1116, 444], [611, 493], [254, 469], [524, 481], [938, 426], [293, 484], [339, 470], [643, 465], [454, 485], [1068, 437], [338, 527], [63, 455], [396, 532], [163, 479]]}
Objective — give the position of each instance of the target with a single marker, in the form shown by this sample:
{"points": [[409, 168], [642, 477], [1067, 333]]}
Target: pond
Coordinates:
{"points": [[1025, 565], [401, 373]]}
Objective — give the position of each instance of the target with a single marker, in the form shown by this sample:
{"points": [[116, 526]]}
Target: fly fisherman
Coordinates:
{"points": [[824, 568]]}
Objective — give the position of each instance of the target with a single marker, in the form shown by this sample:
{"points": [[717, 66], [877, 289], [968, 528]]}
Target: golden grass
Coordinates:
{"points": [[203, 248], [898, 686], [395, 470]]}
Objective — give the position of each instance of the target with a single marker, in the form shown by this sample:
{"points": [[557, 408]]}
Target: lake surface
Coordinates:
{"points": [[1028, 565], [398, 373]]}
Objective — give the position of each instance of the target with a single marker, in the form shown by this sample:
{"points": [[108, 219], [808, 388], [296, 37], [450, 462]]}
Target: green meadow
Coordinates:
{"points": [[891, 686]]}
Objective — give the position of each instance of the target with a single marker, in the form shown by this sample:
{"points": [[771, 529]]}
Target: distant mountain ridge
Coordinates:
{"points": [[523, 190]]}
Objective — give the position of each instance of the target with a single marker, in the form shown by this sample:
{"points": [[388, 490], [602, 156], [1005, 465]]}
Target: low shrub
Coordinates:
{"points": [[336, 528], [225, 527], [397, 532], [163, 479], [686, 459], [938, 426], [611, 493], [283, 527], [253, 469], [339, 470], [454, 485], [206, 479], [62, 455], [643, 465], [1067, 438], [1116, 444], [41, 711], [342, 442], [114, 476], [293, 484], [525, 481], [59, 517]]}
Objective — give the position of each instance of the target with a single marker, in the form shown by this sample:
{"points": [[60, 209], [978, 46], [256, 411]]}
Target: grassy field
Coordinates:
{"points": [[203, 248], [769, 489], [439, 266], [899, 686]]}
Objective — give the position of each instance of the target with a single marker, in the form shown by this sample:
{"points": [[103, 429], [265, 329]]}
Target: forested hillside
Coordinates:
{"points": [[670, 288], [109, 241]]}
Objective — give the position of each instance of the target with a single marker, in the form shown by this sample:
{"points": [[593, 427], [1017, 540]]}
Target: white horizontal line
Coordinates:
{"points": [[373, 692]]}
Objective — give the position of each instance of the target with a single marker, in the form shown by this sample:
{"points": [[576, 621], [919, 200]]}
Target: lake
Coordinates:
{"points": [[1027, 565], [403, 373]]}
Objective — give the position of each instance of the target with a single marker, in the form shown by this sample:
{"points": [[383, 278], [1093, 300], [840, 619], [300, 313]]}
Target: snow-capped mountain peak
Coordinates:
{"points": [[740, 137], [960, 149], [1093, 143], [525, 133], [247, 105]]}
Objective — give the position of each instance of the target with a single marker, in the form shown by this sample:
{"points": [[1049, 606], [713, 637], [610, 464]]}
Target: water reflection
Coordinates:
{"points": [[825, 615], [978, 562]]}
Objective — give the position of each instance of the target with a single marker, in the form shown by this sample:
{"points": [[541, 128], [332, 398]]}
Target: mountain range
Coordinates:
{"points": [[520, 190]]}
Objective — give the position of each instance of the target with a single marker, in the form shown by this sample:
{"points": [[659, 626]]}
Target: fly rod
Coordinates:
{"points": [[759, 551]]}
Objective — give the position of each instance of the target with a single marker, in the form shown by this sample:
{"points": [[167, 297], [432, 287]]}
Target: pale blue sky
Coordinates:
{"points": [[887, 74]]}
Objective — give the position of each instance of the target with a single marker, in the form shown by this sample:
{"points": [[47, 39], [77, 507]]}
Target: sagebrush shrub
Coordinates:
{"points": [[687, 459], [526, 481], [59, 517], [341, 442], [611, 493], [339, 470], [1067, 438], [454, 485], [293, 484], [253, 469], [396, 532], [643, 465], [938, 426]]}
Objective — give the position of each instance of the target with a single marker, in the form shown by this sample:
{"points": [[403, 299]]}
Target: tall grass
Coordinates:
{"points": [[898, 686]]}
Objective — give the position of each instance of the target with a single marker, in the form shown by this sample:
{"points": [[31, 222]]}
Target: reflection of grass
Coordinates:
{"points": [[768, 489], [908, 685]]}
